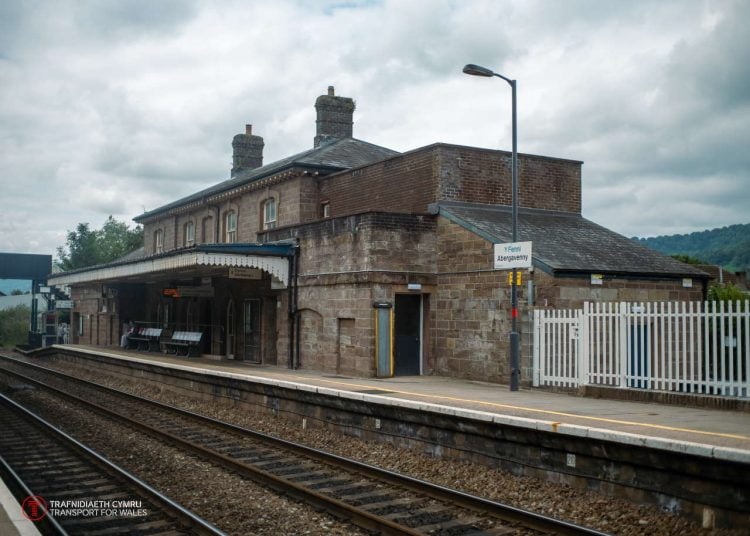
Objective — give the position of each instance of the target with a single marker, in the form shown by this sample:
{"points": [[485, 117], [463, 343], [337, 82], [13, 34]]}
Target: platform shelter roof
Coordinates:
{"points": [[271, 258]]}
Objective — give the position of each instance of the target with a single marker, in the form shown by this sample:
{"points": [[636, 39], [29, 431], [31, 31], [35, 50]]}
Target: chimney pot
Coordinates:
{"points": [[247, 151], [334, 120]]}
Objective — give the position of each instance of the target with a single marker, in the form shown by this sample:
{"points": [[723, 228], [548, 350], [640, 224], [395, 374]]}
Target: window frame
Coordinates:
{"points": [[230, 232], [158, 241], [268, 223], [186, 241]]}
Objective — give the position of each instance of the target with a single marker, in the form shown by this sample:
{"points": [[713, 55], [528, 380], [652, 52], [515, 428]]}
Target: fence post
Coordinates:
{"points": [[622, 350], [582, 344], [535, 362]]}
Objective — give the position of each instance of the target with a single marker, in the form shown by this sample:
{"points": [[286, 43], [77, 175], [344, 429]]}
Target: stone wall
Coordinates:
{"points": [[411, 181], [571, 292], [477, 175], [99, 314], [345, 264], [297, 200], [404, 183], [472, 313]]}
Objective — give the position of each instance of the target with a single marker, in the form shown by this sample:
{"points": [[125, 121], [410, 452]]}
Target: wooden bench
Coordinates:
{"points": [[145, 338], [189, 340]]}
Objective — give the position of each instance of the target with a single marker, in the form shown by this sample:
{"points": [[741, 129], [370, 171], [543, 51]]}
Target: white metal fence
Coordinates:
{"points": [[689, 347]]}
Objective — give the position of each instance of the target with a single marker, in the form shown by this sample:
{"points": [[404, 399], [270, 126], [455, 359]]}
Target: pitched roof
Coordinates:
{"points": [[567, 242], [344, 153]]}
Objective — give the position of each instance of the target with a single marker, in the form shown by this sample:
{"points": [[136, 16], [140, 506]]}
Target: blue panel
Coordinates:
{"points": [[384, 343]]}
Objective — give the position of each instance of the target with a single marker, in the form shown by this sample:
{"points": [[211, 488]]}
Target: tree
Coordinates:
{"points": [[687, 259], [727, 292], [85, 247], [14, 326]]}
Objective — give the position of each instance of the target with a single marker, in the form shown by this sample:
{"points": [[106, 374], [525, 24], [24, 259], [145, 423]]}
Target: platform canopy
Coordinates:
{"points": [[198, 260]]}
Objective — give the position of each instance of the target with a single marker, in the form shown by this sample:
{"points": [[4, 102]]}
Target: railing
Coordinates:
{"points": [[689, 347]]}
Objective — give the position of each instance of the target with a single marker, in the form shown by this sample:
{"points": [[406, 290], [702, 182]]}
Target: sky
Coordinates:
{"points": [[120, 106]]}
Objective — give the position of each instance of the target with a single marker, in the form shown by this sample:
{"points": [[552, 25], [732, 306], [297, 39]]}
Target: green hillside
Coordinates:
{"points": [[727, 246]]}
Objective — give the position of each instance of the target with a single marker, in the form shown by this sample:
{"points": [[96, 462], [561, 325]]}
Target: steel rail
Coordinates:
{"points": [[472, 502], [183, 515], [20, 490], [360, 517]]}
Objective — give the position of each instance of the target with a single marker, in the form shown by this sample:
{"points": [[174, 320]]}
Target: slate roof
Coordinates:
{"points": [[567, 242], [344, 153]]}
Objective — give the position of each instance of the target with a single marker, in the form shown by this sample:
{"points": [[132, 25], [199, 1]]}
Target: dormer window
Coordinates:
{"points": [[269, 214], [189, 234], [230, 226], [158, 241]]}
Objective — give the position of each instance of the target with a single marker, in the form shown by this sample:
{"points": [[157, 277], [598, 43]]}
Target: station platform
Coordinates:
{"points": [[716, 433], [12, 520]]}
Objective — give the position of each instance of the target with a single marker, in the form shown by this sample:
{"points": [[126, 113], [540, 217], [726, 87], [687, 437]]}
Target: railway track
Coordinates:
{"points": [[43, 466], [372, 498]]}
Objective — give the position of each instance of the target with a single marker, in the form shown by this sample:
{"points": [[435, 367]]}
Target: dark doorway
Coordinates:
{"points": [[407, 334], [251, 331]]}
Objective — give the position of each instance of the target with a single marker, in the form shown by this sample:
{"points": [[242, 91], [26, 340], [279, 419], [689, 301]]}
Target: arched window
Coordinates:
{"points": [[230, 227], [189, 234], [269, 214], [158, 241]]}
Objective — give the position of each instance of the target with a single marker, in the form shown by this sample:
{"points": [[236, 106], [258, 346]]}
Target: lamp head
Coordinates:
{"points": [[477, 70]]}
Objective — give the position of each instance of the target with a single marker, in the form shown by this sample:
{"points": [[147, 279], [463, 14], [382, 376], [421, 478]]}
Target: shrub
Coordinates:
{"points": [[14, 325]]}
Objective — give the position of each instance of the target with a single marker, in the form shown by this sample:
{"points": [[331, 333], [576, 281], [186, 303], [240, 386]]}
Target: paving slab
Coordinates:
{"points": [[12, 520], [709, 427]]}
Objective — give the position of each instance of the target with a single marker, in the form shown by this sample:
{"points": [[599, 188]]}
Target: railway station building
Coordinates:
{"points": [[351, 258]]}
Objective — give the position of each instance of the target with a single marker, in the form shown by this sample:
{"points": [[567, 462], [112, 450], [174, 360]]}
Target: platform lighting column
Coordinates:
{"points": [[515, 348]]}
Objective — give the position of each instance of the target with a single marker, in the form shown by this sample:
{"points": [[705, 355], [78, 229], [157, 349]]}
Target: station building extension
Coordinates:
{"points": [[355, 259]]}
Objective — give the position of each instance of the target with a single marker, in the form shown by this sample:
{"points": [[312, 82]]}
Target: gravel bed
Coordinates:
{"points": [[554, 499], [235, 505]]}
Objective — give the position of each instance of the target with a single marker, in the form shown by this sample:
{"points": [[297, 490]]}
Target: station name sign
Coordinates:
{"points": [[188, 292], [512, 255], [240, 272]]}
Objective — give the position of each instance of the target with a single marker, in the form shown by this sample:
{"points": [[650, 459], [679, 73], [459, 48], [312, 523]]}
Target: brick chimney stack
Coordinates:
{"points": [[334, 117], [247, 151]]}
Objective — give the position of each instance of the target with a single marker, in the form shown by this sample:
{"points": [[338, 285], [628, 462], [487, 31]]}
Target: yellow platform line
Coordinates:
{"points": [[535, 410]]}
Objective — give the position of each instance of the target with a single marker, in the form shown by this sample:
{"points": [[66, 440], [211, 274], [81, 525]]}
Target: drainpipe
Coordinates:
{"points": [[293, 314], [290, 316], [217, 225], [297, 339]]}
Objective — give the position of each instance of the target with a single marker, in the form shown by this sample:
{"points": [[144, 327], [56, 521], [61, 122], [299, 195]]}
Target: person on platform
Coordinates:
{"points": [[126, 332]]}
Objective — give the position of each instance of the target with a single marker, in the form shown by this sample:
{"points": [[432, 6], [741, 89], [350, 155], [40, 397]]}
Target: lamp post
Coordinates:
{"points": [[515, 348]]}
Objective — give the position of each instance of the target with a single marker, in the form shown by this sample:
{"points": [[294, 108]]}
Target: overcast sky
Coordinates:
{"points": [[116, 107]]}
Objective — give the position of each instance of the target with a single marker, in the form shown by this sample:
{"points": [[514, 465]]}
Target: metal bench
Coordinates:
{"points": [[189, 340], [145, 338]]}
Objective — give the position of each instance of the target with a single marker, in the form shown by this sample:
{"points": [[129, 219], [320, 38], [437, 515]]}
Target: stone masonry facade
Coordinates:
{"points": [[366, 233]]}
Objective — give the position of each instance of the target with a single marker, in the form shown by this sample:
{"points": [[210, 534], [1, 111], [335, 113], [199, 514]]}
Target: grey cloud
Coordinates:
{"points": [[28, 27], [141, 99], [716, 67]]}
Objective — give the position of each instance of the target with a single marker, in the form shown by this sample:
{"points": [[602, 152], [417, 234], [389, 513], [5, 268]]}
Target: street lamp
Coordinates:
{"points": [[515, 348]]}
